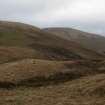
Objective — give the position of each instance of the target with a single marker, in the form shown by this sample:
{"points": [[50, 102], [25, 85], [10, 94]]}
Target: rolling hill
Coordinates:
{"points": [[45, 45], [38, 67], [90, 41]]}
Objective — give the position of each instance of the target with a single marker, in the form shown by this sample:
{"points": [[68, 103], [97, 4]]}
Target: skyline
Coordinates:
{"points": [[84, 15]]}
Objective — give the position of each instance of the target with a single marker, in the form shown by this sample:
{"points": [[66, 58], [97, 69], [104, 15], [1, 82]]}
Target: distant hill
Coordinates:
{"points": [[39, 44], [88, 40]]}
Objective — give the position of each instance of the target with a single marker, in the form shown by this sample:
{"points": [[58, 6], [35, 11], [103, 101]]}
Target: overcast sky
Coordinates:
{"points": [[87, 15]]}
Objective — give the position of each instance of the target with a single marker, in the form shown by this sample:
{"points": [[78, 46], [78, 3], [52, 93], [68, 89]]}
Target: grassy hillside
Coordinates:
{"points": [[46, 45], [39, 72], [88, 89], [87, 40], [41, 68]]}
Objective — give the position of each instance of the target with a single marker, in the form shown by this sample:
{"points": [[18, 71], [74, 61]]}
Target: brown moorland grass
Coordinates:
{"points": [[39, 68], [83, 91], [10, 54], [33, 72]]}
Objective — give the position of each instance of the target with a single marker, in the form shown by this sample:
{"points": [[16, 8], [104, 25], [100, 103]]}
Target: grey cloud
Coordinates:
{"points": [[88, 15]]}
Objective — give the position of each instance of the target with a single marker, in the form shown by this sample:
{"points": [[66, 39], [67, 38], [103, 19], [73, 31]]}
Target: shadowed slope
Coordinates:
{"points": [[88, 40]]}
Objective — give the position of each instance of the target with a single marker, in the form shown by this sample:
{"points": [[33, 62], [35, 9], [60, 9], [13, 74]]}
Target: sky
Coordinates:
{"points": [[86, 15]]}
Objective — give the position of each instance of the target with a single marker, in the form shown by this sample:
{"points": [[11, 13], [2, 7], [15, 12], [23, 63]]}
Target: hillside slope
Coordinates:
{"points": [[41, 72], [40, 68], [87, 40], [44, 44], [84, 91]]}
